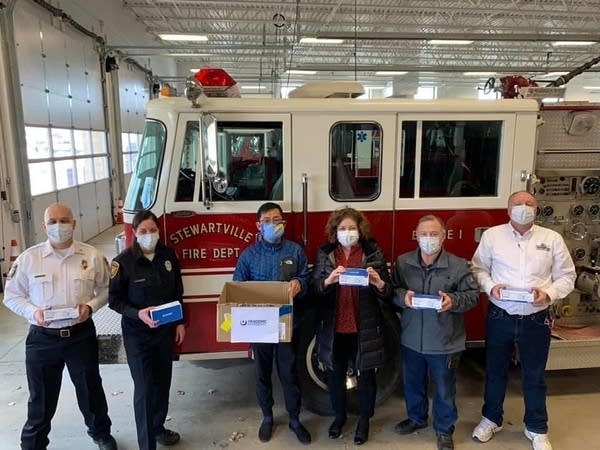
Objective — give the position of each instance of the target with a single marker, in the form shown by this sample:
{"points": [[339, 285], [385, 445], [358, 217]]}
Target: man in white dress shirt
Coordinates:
{"points": [[530, 258], [60, 272]]}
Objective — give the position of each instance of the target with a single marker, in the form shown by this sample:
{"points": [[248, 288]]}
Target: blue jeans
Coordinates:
{"points": [[532, 335], [417, 367]]}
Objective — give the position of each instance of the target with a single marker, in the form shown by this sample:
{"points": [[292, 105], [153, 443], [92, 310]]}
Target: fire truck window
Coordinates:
{"points": [[355, 161], [186, 176], [408, 147], [249, 161], [143, 186], [460, 158]]}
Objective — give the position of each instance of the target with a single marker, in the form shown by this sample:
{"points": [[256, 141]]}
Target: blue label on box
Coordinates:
{"points": [[168, 314]]}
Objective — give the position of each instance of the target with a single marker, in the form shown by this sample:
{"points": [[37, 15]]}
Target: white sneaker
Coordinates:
{"points": [[538, 441], [485, 430]]}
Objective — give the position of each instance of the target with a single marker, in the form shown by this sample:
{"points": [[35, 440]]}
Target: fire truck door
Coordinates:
{"points": [[346, 160]]}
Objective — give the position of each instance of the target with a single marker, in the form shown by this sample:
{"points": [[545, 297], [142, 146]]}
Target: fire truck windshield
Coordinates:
{"points": [[143, 185]]}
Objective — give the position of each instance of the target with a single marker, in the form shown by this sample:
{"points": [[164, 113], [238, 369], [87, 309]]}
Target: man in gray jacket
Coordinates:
{"points": [[433, 336]]}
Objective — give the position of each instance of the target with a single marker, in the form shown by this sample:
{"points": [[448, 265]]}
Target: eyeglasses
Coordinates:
{"points": [[273, 221]]}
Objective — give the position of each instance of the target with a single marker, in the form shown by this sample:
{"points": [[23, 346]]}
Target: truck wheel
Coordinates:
{"points": [[312, 380]]}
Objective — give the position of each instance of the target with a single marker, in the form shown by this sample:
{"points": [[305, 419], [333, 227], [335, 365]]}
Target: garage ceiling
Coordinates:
{"points": [[257, 41]]}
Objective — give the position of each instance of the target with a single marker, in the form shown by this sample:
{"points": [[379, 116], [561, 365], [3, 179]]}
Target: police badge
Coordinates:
{"points": [[168, 266]]}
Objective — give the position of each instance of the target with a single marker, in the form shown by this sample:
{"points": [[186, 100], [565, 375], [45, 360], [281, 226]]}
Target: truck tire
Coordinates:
{"points": [[311, 378]]}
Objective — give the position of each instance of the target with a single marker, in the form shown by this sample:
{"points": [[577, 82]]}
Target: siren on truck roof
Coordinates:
{"points": [[210, 82]]}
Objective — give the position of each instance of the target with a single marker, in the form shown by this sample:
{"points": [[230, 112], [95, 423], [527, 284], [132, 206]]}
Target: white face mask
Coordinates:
{"points": [[430, 245], [347, 238], [59, 233], [522, 214], [148, 241]]}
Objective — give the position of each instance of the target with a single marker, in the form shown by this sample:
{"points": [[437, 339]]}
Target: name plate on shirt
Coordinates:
{"points": [[61, 312], [167, 313], [427, 301], [354, 277], [510, 294]]}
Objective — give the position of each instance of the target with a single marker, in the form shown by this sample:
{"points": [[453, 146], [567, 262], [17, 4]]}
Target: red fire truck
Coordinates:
{"points": [[206, 164]]}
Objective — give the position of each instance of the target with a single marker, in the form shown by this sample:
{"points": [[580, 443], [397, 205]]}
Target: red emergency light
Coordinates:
{"points": [[217, 82]]}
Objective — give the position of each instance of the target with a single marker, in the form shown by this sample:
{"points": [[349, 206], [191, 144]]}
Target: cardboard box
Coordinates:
{"points": [[511, 294], [427, 301], [354, 277], [61, 312], [257, 300], [167, 313]]}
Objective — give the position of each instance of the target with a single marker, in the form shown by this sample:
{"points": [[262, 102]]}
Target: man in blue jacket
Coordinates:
{"points": [[273, 258], [432, 339]]}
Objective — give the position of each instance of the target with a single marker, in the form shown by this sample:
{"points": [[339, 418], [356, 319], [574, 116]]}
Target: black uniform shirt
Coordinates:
{"points": [[137, 283]]}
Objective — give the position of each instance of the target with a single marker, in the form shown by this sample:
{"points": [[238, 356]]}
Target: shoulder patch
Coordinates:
{"points": [[114, 269], [12, 271]]}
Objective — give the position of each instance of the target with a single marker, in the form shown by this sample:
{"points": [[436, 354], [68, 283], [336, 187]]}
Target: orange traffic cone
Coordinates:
{"points": [[119, 214], [14, 250]]}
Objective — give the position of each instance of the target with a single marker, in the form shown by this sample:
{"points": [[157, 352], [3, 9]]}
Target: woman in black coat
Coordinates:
{"points": [[349, 319]]}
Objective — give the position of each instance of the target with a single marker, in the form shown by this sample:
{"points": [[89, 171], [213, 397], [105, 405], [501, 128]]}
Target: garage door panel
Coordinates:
{"points": [[104, 206], [89, 211]]}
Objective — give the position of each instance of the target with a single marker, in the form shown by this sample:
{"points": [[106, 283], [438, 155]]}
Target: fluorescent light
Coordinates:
{"points": [[478, 74], [449, 42], [301, 72], [253, 87], [183, 37], [188, 54], [572, 43], [391, 72], [314, 40], [592, 88], [550, 75]]}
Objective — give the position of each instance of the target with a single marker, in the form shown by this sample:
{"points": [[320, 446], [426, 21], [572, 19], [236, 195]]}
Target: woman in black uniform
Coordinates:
{"points": [[142, 277]]}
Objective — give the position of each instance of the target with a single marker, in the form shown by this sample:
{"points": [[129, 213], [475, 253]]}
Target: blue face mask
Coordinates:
{"points": [[272, 232]]}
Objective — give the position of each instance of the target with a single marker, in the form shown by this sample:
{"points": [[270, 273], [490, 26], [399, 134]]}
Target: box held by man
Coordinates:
{"points": [[255, 311]]}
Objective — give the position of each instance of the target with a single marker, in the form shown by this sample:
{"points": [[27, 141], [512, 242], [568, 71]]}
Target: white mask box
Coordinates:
{"points": [[425, 301], [510, 294], [61, 312], [354, 277]]}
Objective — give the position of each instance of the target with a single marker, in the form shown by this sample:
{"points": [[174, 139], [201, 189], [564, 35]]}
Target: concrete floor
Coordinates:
{"points": [[212, 400]]}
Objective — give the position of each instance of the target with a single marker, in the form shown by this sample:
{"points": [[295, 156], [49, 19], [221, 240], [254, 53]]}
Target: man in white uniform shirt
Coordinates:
{"points": [[525, 256], [60, 272]]}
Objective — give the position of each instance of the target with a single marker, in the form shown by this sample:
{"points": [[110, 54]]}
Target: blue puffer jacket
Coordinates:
{"points": [[370, 322], [426, 330]]}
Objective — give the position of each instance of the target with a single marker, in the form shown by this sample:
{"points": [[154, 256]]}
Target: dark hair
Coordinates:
{"points": [[268, 207], [336, 217], [140, 216]]}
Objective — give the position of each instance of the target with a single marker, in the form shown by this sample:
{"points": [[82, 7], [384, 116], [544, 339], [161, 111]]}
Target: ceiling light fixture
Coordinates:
{"points": [[572, 43], [479, 74], [391, 72], [301, 72], [449, 42], [315, 40], [253, 87], [188, 54], [183, 37], [592, 88]]}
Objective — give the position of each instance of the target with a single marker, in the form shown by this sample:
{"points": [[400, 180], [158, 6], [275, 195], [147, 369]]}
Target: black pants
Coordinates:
{"points": [[285, 360], [345, 349], [45, 358], [150, 358]]}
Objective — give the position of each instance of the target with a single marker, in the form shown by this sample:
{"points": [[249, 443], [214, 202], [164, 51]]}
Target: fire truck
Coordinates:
{"points": [[207, 163]]}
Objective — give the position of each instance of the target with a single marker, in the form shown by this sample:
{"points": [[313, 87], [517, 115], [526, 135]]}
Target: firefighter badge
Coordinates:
{"points": [[84, 264], [114, 269], [168, 266]]}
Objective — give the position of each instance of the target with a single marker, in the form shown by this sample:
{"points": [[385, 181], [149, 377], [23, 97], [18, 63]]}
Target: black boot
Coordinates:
{"points": [[335, 430], [362, 431]]}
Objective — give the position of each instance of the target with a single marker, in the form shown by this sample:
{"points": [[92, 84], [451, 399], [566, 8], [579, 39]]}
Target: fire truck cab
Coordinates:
{"points": [[206, 166]]}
